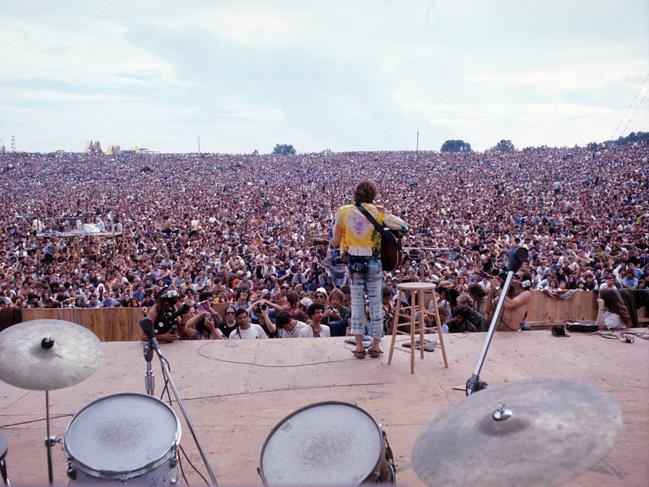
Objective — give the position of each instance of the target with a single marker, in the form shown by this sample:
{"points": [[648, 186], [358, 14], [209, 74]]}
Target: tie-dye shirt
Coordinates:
{"points": [[355, 233]]}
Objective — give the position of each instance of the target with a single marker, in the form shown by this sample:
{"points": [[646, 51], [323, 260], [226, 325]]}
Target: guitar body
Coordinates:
{"points": [[391, 251]]}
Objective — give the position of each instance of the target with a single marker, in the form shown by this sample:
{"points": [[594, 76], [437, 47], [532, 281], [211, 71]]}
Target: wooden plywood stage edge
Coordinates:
{"points": [[237, 391]]}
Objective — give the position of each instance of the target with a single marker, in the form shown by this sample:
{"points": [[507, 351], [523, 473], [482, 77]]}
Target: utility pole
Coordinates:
{"points": [[198, 141], [417, 147]]}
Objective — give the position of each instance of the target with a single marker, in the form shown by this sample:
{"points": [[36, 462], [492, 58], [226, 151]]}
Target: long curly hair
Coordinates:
{"points": [[613, 303], [365, 192]]}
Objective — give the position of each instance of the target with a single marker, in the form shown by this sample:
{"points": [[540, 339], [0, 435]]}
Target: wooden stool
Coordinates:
{"points": [[416, 323], [4, 448]]}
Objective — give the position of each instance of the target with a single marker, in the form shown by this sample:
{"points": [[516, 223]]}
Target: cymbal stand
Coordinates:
{"points": [[50, 441], [474, 384], [166, 373]]}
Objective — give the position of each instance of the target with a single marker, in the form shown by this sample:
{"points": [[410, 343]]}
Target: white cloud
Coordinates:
{"points": [[77, 52]]}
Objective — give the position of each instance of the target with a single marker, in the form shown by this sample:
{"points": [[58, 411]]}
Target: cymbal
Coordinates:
{"points": [[73, 355], [557, 430]]}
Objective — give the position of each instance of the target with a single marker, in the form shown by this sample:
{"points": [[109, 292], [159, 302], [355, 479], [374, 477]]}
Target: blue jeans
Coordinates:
{"points": [[366, 276]]}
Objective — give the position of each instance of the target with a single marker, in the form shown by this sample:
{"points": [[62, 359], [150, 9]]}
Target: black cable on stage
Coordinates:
{"points": [[201, 354]]}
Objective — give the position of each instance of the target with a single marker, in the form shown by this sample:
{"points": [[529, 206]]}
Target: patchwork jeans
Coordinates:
{"points": [[366, 276]]}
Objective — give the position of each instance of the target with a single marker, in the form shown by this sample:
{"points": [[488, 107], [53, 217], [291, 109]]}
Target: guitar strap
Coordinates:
{"points": [[379, 227]]}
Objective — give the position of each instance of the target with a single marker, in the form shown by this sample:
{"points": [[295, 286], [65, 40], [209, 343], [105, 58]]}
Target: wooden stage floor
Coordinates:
{"points": [[236, 392]]}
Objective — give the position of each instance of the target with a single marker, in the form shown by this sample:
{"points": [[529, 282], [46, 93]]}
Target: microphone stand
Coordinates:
{"points": [[149, 378], [474, 384], [166, 373]]}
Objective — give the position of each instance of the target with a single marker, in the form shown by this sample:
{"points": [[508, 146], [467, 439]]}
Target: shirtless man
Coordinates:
{"points": [[515, 306]]}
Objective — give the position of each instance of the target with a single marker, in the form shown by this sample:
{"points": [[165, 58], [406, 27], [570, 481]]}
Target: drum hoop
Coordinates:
{"points": [[129, 474], [379, 461]]}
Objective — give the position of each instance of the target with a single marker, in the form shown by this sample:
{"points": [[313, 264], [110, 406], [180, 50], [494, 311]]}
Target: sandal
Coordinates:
{"points": [[359, 354], [374, 352]]}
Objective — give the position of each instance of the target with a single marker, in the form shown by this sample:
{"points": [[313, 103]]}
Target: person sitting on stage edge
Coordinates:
{"points": [[245, 329], [315, 329], [515, 306], [612, 313], [361, 242]]}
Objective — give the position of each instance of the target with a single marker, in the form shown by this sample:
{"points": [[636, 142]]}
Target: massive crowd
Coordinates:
{"points": [[211, 225]]}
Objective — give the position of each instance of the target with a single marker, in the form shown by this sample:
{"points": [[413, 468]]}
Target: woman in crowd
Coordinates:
{"points": [[612, 313]]}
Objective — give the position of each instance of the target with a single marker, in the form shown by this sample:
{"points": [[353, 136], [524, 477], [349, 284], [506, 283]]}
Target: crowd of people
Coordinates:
{"points": [[89, 230]]}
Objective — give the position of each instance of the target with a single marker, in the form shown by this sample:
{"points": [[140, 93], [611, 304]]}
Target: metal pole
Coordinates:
{"points": [[172, 385], [417, 148], [49, 441], [474, 384], [149, 378]]}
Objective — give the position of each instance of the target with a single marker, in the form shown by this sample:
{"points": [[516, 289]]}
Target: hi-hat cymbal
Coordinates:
{"points": [[557, 430], [48, 354]]}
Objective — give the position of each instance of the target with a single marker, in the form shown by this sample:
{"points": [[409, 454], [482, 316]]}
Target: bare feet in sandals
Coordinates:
{"points": [[374, 352], [359, 354]]}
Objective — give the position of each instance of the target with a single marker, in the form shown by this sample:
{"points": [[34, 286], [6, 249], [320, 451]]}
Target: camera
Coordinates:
{"points": [[264, 306]]}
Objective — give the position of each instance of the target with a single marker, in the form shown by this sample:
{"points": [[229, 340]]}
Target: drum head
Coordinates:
{"points": [[324, 444], [121, 433]]}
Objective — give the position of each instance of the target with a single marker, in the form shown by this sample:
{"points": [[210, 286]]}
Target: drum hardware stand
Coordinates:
{"points": [[149, 378], [46, 344], [147, 327], [517, 255], [50, 441]]}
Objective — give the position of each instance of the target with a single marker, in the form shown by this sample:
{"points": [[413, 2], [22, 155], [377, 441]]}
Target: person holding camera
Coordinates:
{"points": [[165, 316], [259, 312], [202, 327]]}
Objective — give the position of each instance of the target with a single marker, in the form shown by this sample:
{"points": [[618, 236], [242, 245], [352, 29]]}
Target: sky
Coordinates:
{"points": [[339, 75]]}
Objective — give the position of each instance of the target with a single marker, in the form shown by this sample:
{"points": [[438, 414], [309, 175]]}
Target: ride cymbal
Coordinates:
{"points": [[48, 354], [535, 432]]}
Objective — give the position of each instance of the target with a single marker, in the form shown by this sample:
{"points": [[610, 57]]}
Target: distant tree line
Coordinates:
{"points": [[632, 137], [284, 150]]}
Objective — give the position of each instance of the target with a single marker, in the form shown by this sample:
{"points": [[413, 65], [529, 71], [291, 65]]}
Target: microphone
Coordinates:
{"points": [[517, 255], [147, 327]]}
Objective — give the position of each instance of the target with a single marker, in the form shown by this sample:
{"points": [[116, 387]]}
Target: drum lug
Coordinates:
{"points": [[173, 461], [72, 472]]}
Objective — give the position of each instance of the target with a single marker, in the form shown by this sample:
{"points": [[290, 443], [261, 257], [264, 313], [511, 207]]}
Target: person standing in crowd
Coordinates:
{"points": [[289, 327], [315, 328], [229, 324], [245, 329], [361, 242]]}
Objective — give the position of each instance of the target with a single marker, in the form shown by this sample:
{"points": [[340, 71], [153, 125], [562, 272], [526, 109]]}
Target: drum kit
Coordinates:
{"points": [[537, 432]]}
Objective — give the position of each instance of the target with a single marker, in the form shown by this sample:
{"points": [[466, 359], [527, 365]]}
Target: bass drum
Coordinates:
{"points": [[123, 437], [328, 443]]}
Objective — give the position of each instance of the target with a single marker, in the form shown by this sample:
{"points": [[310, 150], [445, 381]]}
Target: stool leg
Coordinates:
{"points": [[413, 327], [440, 335], [421, 322], [395, 323]]}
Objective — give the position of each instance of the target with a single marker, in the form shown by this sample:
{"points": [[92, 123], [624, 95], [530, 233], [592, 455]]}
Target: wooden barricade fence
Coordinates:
{"points": [[109, 324], [545, 310], [122, 324]]}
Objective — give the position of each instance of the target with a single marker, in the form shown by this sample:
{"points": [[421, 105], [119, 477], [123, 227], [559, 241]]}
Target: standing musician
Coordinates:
{"points": [[360, 242]]}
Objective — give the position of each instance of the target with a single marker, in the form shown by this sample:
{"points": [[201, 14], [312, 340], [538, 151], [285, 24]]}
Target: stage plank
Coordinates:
{"points": [[237, 391]]}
